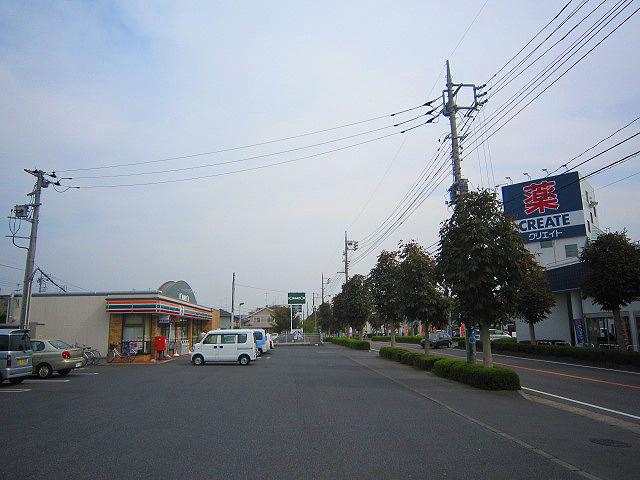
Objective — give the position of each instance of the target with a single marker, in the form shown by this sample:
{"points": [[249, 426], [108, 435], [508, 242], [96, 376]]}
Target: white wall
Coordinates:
{"points": [[81, 319], [555, 327]]}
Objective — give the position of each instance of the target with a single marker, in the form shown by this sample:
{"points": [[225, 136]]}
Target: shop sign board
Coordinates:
{"points": [[546, 208], [164, 318], [296, 308], [296, 298], [581, 337]]}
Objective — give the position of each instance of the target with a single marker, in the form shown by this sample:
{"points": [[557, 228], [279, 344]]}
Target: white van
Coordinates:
{"points": [[225, 346]]}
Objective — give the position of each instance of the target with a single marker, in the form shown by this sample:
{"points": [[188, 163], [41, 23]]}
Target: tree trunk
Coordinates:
{"points": [[392, 335], [471, 351], [487, 358], [362, 334], [622, 335], [427, 331], [532, 333]]}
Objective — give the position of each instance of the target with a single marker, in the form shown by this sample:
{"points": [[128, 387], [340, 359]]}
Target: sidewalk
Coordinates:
{"points": [[557, 434]]}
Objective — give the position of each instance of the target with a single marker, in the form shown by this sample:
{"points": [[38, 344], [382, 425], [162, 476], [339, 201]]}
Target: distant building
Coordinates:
{"points": [[261, 318], [557, 217]]}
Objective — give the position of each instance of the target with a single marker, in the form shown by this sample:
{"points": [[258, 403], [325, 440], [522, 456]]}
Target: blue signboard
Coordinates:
{"points": [[546, 208], [581, 336]]}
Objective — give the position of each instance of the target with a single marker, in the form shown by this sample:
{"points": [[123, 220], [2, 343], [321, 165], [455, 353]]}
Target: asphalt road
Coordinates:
{"points": [[299, 412], [600, 388]]}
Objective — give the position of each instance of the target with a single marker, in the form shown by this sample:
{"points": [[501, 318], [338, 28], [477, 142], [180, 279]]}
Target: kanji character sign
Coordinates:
{"points": [[540, 196]]}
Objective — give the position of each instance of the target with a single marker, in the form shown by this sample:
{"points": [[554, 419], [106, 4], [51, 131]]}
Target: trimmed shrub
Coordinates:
{"points": [[478, 376], [458, 370], [605, 357], [349, 342], [399, 339]]}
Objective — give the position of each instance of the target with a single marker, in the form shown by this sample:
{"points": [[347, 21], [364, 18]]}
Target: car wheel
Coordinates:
{"points": [[198, 360], [16, 381], [44, 370], [64, 372], [244, 360]]}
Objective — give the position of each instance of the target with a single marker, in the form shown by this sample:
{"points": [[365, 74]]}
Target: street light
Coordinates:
{"points": [[240, 314]]}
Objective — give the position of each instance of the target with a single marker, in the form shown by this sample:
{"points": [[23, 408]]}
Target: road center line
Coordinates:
{"points": [[14, 390], [582, 403], [554, 362], [578, 377]]}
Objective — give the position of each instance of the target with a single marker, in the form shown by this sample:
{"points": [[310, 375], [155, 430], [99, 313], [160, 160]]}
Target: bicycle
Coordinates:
{"points": [[90, 355], [128, 356]]}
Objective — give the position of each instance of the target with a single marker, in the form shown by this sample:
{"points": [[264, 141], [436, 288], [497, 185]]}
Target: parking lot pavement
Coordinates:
{"points": [[309, 412]]}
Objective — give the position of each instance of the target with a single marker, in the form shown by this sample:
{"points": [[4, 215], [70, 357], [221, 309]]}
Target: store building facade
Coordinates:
{"points": [[556, 217], [127, 320]]}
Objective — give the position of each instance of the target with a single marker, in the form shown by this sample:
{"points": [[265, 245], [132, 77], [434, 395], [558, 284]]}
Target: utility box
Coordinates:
{"points": [[159, 343]]}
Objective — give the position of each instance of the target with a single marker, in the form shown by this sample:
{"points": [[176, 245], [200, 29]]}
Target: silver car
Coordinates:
{"points": [[55, 355], [15, 354]]}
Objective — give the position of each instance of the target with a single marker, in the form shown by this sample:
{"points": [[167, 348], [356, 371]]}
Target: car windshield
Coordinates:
{"points": [[19, 342], [59, 344]]}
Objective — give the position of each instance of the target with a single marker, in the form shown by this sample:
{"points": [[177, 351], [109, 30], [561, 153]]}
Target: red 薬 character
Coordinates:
{"points": [[540, 196]]}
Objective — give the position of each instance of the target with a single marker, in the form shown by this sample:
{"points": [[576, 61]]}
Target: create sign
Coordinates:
{"points": [[546, 208], [296, 298]]}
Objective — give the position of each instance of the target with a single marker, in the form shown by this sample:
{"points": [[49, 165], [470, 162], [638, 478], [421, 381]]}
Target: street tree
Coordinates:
{"points": [[325, 317], [384, 285], [613, 276], [481, 260], [534, 298], [358, 306], [339, 307], [282, 319], [422, 298]]}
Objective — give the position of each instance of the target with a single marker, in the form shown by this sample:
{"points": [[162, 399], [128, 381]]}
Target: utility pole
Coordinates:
{"points": [[460, 185], [348, 245], [41, 183], [233, 300]]}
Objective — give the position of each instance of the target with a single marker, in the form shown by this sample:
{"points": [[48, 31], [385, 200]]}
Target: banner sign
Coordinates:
{"points": [[581, 337], [546, 208], [296, 298]]}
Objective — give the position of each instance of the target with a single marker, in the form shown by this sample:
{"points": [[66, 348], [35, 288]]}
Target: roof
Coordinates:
{"points": [[258, 311], [567, 277]]}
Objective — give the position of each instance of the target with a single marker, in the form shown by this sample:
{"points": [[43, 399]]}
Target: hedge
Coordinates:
{"points": [[399, 339], [349, 342], [459, 370], [607, 357]]}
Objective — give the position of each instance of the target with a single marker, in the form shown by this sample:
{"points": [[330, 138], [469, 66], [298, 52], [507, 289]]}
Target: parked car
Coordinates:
{"points": [[438, 339], [495, 334], [15, 354], [261, 340], [55, 355], [225, 346]]}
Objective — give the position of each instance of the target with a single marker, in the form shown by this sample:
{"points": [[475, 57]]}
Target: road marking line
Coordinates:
{"points": [[588, 379], [85, 373], [42, 380], [14, 390], [582, 403], [555, 362], [579, 377]]}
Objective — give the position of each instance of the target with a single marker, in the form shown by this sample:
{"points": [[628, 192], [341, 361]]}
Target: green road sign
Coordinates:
{"points": [[296, 298]]}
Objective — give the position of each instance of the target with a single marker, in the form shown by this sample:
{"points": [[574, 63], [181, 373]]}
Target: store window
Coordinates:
{"points": [[133, 333], [546, 243], [571, 250]]}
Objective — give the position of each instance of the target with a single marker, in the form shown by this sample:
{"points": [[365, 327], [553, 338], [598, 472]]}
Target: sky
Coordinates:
{"points": [[93, 84]]}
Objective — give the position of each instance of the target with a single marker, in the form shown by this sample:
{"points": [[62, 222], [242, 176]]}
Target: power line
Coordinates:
{"points": [[258, 167], [259, 288], [618, 181], [245, 159], [241, 147], [552, 83], [567, 165], [540, 77]]}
